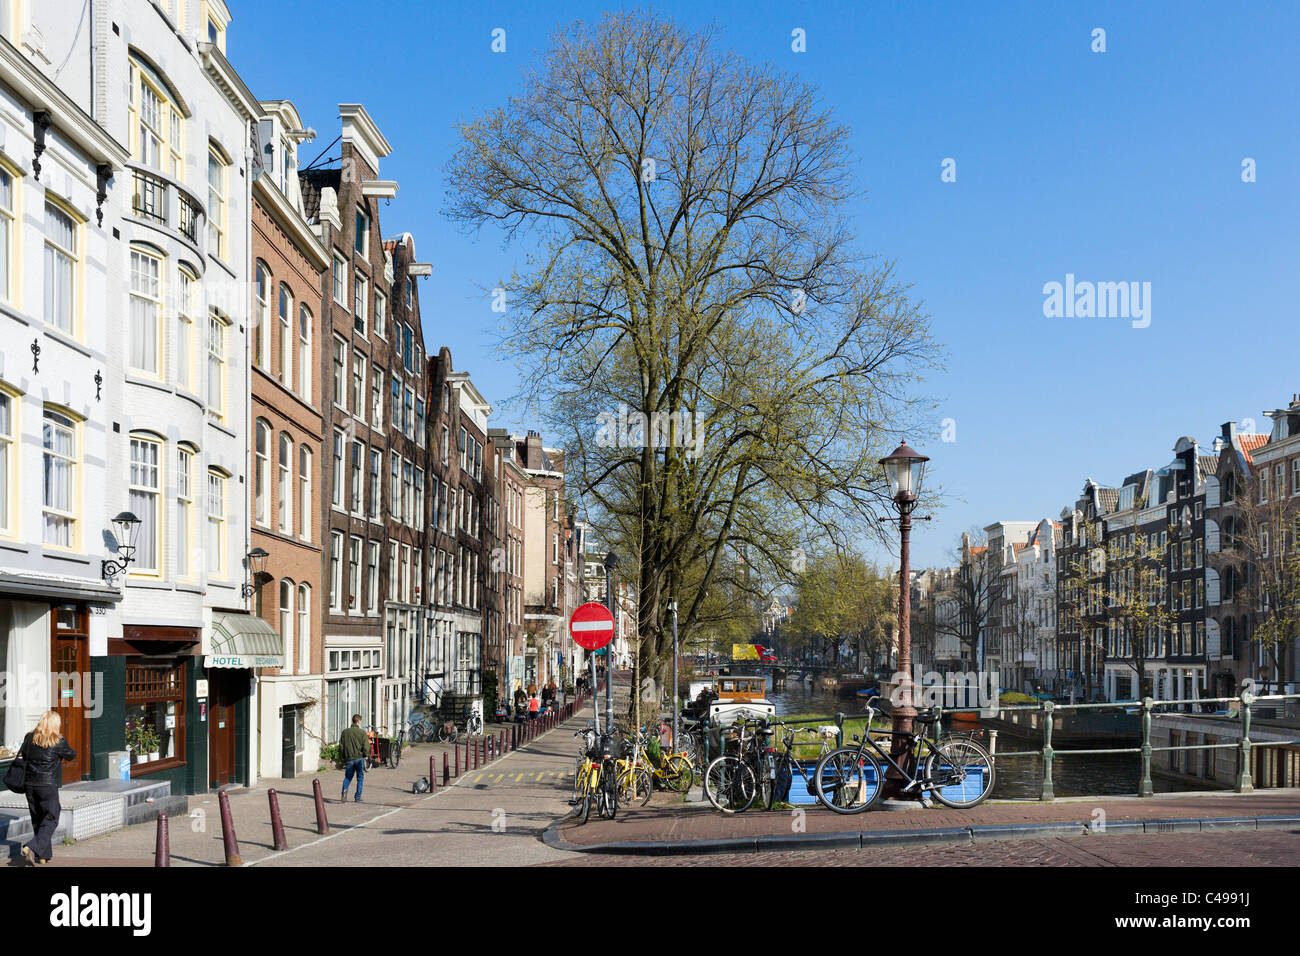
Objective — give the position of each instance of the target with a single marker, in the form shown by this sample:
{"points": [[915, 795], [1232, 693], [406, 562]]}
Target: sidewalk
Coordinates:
{"points": [[462, 807], [669, 827]]}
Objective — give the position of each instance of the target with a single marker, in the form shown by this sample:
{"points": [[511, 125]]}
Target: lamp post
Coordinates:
{"points": [[126, 527], [904, 469], [672, 609], [611, 561]]}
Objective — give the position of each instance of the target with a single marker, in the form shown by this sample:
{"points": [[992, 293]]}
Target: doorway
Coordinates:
{"points": [[223, 690], [70, 657]]}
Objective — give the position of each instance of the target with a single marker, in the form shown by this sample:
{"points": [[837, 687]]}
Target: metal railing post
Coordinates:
{"points": [[839, 733], [1144, 784], [1048, 793], [937, 727], [1244, 782]]}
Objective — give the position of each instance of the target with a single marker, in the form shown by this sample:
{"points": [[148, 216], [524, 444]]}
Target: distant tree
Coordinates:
{"points": [[974, 592]]}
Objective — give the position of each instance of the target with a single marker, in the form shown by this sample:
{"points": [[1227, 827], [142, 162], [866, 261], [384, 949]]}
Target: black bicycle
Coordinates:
{"points": [[954, 770]]}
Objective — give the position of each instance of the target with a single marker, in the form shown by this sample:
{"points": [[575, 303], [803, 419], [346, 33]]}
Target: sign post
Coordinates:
{"points": [[592, 627]]}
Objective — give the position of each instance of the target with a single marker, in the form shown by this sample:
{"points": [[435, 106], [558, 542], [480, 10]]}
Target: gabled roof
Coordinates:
{"points": [[1207, 465], [1250, 444]]}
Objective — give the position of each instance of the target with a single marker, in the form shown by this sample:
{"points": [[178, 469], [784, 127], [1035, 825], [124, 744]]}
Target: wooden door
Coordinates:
{"points": [[70, 657], [221, 727]]}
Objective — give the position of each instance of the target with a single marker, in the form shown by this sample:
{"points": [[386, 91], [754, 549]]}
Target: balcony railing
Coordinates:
{"points": [[152, 199]]}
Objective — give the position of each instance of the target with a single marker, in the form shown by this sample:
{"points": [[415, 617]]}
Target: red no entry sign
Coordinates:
{"points": [[592, 626]]}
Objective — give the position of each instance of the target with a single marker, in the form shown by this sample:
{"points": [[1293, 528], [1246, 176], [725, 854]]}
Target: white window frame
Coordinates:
{"points": [[138, 484]]}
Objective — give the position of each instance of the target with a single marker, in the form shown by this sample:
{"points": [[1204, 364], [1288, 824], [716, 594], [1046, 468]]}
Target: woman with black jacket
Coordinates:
{"points": [[44, 751]]}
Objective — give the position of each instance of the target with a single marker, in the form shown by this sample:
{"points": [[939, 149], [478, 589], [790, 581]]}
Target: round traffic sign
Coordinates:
{"points": [[592, 626]]}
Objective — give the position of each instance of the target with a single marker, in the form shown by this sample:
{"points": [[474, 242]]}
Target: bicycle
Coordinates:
{"points": [[956, 771], [395, 750], [784, 764], [596, 780], [423, 728], [732, 781]]}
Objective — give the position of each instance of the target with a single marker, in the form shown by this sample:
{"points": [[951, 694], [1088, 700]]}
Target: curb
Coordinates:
{"points": [[867, 840]]}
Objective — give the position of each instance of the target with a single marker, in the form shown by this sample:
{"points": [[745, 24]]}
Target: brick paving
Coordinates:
{"points": [[1201, 850], [664, 821]]}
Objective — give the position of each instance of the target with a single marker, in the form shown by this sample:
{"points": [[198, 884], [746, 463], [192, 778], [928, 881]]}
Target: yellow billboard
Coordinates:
{"points": [[744, 652]]}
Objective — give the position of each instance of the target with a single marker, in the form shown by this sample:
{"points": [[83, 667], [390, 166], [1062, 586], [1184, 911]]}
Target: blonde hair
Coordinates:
{"points": [[49, 730]]}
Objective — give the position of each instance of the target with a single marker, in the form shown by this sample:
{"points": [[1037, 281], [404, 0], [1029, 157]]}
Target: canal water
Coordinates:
{"points": [[1017, 777]]}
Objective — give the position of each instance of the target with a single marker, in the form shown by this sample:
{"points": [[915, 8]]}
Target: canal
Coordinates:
{"points": [[1017, 777]]}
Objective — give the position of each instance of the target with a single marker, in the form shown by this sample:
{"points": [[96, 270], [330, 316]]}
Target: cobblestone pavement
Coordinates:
{"points": [[1228, 849]]}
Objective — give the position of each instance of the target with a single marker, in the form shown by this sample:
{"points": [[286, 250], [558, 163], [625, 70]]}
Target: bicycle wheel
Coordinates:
{"points": [[395, 755], [729, 785], [584, 808], [847, 780], [634, 787], [961, 772], [679, 773], [607, 795]]}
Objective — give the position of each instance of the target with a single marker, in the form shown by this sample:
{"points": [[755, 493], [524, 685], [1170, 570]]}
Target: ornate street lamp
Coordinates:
{"points": [[256, 563], [126, 528], [904, 468]]}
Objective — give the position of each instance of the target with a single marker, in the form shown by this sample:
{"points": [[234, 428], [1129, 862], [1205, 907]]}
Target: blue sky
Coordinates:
{"points": [[1117, 166]]}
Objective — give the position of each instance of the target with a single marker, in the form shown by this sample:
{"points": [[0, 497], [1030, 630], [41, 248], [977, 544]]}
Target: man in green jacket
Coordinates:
{"points": [[353, 745]]}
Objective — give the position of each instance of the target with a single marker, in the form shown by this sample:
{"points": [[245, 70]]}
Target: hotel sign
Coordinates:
{"points": [[244, 660]]}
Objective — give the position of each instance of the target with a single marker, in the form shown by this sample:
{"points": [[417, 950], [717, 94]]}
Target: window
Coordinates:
{"points": [[217, 364], [262, 318], [408, 413], [216, 203], [395, 490], [286, 336], [410, 293], [354, 575], [336, 571], [155, 700], [392, 570], [340, 280], [286, 622], [304, 628], [376, 397], [396, 401], [409, 343], [304, 492], [445, 443], [360, 296], [1295, 476], [184, 356], [216, 523], [408, 493], [184, 511], [144, 499], [340, 373], [420, 422], [61, 239], [336, 474], [285, 512], [8, 458], [381, 315], [59, 441], [146, 311], [304, 353], [6, 233], [417, 514], [361, 241], [376, 483], [262, 473], [358, 487], [1263, 485], [359, 385], [372, 575], [157, 123]]}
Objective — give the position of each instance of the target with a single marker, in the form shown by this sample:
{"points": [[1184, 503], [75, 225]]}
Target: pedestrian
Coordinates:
{"points": [[43, 751], [532, 689], [534, 705], [352, 749]]}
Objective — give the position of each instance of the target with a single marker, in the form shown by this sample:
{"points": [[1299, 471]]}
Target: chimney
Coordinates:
{"points": [[533, 448]]}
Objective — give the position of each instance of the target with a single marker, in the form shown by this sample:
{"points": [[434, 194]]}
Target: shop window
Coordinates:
{"points": [[155, 713]]}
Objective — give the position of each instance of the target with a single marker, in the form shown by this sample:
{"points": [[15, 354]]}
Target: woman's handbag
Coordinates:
{"points": [[16, 775]]}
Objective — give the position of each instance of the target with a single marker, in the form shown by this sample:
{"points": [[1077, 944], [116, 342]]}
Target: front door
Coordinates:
{"points": [[221, 725], [289, 741], [70, 655]]}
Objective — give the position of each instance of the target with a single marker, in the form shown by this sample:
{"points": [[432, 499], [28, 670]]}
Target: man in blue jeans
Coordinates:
{"points": [[353, 744]]}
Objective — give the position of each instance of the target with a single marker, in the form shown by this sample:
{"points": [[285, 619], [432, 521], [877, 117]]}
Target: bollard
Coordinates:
{"points": [[322, 823], [501, 745], [1245, 782], [446, 770], [456, 748], [433, 776], [162, 854], [478, 745], [277, 826], [228, 831], [1145, 788]]}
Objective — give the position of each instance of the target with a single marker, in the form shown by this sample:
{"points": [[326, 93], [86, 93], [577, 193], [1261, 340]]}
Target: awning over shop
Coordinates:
{"points": [[242, 640], [17, 583]]}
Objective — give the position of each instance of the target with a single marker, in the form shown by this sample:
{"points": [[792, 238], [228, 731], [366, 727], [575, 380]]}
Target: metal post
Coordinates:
{"points": [[839, 734], [904, 714], [228, 838], [595, 704], [1145, 789], [433, 775], [672, 606], [277, 826], [446, 770], [1244, 782], [1048, 793], [322, 823], [456, 747], [162, 855]]}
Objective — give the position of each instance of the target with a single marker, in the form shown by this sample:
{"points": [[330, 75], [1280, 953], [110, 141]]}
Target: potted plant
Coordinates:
{"points": [[142, 741]]}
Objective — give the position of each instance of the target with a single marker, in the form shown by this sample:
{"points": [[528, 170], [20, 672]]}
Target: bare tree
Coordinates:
{"points": [[693, 316], [974, 590]]}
